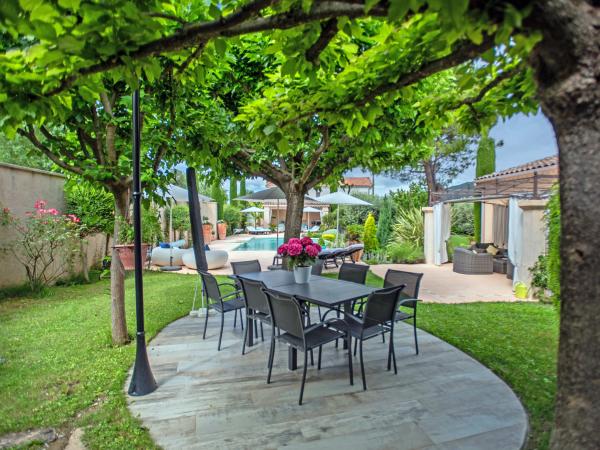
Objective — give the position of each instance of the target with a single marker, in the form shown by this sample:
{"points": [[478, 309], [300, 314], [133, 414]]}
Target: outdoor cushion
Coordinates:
{"points": [[161, 256], [492, 250], [215, 259], [164, 245]]}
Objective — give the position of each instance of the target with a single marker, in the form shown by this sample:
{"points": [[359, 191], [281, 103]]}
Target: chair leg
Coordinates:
{"points": [[303, 377], [255, 329], [271, 357], [415, 333], [244, 344], [312, 358], [362, 366], [241, 320], [235, 318], [205, 323], [319, 359], [350, 361], [262, 334], [393, 351], [382, 335], [355, 346], [221, 332]]}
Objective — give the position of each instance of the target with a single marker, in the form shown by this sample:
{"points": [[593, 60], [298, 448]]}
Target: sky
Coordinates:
{"points": [[526, 138]]}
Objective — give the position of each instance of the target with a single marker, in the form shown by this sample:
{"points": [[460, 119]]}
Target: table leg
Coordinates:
{"points": [[347, 310], [292, 358], [250, 330]]}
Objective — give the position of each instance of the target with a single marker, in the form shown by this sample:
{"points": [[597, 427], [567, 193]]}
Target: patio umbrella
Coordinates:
{"points": [[253, 209], [308, 210], [341, 198]]}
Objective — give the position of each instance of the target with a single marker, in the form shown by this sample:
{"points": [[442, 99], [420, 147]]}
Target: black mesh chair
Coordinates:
{"points": [[378, 319], [357, 273], [219, 302], [288, 315], [409, 297], [241, 267], [257, 306]]}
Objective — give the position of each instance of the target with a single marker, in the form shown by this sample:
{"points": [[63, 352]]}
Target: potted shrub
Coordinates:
{"points": [[353, 235], [151, 233], [221, 229], [207, 230]]}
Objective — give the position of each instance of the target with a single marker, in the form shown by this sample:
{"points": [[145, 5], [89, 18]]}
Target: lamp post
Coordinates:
{"points": [[142, 380]]}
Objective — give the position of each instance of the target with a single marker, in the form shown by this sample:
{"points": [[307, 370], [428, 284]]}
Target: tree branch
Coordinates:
{"points": [[328, 31], [316, 155], [161, 15], [195, 54], [488, 87]]}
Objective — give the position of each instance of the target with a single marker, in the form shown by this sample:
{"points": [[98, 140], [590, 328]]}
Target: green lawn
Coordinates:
{"points": [[59, 361]]}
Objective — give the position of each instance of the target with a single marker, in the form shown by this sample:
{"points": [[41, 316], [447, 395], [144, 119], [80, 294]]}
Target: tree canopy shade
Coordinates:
{"points": [[333, 71]]}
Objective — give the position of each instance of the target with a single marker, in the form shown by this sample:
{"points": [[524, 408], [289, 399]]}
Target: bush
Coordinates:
{"points": [[181, 219], [94, 207], [328, 221], [233, 217], [404, 252], [462, 219], [539, 278], [370, 235], [354, 232], [409, 227], [553, 263], [358, 214], [415, 197], [384, 225], [457, 240]]}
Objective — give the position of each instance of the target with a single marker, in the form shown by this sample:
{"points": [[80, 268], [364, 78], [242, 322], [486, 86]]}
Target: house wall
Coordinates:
{"points": [[487, 222], [20, 188], [534, 236]]}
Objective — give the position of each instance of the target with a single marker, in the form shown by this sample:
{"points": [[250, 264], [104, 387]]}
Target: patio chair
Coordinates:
{"points": [[409, 297], [350, 251], [465, 261], [252, 230], [357, 273], [317, 268], [240, 267], [288, 315], [314, 228], [378, 319], [257, 307], [220, 303]]}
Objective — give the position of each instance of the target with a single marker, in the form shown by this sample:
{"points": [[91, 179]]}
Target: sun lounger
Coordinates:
{"points": [[330, 256]]}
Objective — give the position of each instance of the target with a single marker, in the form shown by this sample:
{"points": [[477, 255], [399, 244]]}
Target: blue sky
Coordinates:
{"points": [[526, 138]]}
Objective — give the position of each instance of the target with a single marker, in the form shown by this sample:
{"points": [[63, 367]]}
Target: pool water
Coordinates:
{"points": [[259, 244]]}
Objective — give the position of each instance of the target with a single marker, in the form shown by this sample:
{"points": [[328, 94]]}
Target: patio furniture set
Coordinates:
{"points": [[353, 311], [477, 259]]}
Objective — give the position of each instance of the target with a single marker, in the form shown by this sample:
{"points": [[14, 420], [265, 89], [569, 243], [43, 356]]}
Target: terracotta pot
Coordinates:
{"points": [[207, 231], [356, 256], [222, 230], [126, 255]]}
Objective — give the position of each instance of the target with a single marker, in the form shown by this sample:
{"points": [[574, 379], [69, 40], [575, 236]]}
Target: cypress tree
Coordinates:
{"points": [[232, 191], [486, 164]]}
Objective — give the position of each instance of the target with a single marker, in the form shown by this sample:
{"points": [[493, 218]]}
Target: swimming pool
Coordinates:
{"points": [[259, 244]]}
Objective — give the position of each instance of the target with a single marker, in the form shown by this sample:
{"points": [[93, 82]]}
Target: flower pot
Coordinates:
{"points": [[207, 232], [222, 230], [302, 274], [356, 256], [126, 254]]}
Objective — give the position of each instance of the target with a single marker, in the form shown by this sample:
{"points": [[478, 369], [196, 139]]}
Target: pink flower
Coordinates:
{"points": [[53, 211], [311, 250], [5, 210], [318, 247], [306, 241], [294, 241], [295, 248], [40, 204], [283, 249]]}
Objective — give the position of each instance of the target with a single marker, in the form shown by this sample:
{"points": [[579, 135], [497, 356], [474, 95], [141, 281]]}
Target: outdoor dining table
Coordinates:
{"points": [[322, 291]]}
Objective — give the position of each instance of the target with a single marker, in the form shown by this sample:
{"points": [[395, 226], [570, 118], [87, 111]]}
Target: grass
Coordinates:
{"points": [[60, 369]]}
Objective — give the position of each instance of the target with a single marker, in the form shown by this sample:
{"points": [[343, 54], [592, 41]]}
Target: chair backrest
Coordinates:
{"points": [[254, 295], [285, 313], [356, 273], [381, 306], [211, 286], [240, 267], [317, 267], [412, 281]]}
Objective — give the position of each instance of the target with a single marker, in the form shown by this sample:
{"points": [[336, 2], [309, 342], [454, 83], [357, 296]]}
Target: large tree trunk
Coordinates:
{"points": [[567, 65], [432, 185], [293, 211], [117, 272]]}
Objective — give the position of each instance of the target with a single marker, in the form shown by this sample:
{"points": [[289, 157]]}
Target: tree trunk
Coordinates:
{"points": [[117, 272], [293, 212], [431, 181], [84, 260], [567, 68]]}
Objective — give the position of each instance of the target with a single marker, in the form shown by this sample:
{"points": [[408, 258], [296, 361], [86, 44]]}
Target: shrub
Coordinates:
{"points": [[181, 219], [553, 263], [384, 225], [354, 232], [462, 219], [404, 252], [539, 278], [328, 221], [358, 214], [233, 217], [94, 206], [415, 197], [46, 243], [457, 240], [370, 234], [409, 227]]}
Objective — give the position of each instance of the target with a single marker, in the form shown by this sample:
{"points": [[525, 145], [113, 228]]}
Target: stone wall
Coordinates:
{"points": [[20, 187]]}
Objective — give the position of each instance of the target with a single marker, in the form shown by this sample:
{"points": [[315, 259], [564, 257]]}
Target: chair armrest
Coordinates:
{"points": [[230, 294], [349, 316], [226, 283], [338, 323], [409, 300]]}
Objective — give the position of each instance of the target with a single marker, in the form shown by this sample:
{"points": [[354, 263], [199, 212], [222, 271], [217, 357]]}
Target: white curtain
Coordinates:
{"points": [[441, 232], [515, 237]]}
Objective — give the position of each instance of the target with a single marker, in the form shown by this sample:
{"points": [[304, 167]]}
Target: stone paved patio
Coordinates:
{"points": [[441, 399]]}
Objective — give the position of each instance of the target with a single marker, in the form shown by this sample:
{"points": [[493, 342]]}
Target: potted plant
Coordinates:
{"points": [[301, 254], [151, 233], [221, 229], [353, 235], [207, 230]]}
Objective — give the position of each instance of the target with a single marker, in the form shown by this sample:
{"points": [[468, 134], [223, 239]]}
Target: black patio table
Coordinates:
{"points": [[322, 291]]}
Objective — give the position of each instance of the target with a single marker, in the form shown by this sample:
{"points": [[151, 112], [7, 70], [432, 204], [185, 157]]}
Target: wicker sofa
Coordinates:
{"points": [[467, 262]]}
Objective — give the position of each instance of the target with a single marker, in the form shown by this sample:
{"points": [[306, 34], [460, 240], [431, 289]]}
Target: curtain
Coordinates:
{"points": [[515, 238], [441, 232], [500, 226]]}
